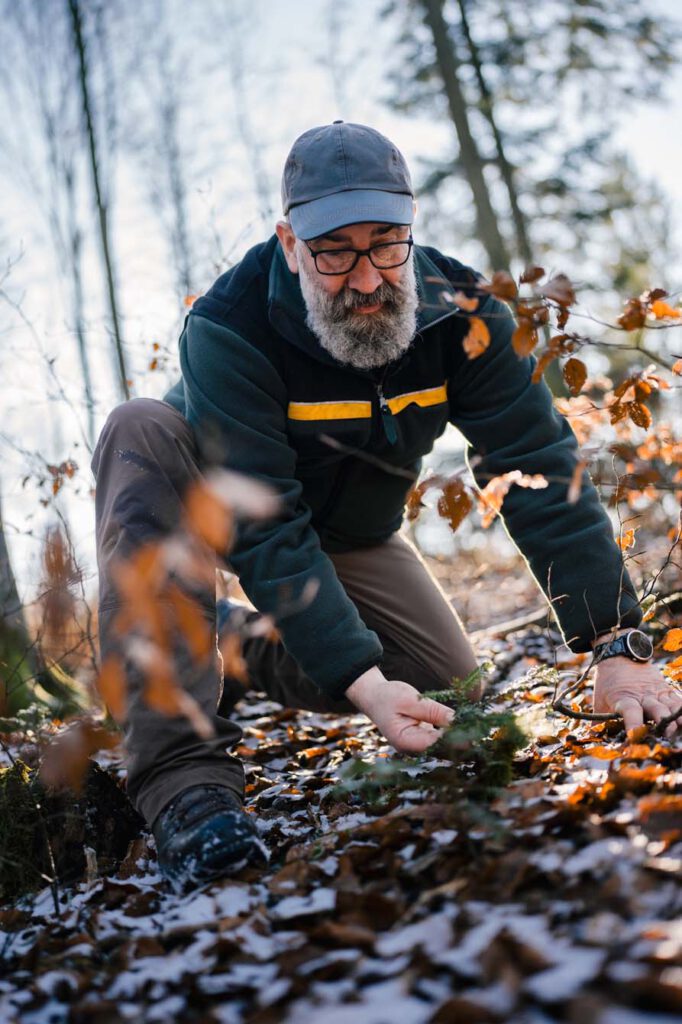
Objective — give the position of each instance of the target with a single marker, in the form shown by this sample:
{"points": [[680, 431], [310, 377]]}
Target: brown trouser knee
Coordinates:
{"points": [[145, 459]]}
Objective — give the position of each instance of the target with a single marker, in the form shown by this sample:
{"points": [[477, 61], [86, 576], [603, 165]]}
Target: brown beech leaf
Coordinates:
{"points": [[639, 414], [495, 491], [478, 338], [502, 286], [65, 759], [653, 295], [531, 275], [560, 290], [234, 664], [112, 687], [60, 574], [208, 517], [455, 502], [546, 357], [575, 375], [677, 366], [192, 623], [525, 337], [414, 498], [633, 316], [466, 302]]}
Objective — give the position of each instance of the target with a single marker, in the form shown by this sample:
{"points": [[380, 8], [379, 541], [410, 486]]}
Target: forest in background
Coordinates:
{"points": [[142, 151]]}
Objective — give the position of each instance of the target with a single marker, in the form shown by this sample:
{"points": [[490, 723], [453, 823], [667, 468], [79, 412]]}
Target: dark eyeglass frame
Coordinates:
{"points": [[409, 242]]}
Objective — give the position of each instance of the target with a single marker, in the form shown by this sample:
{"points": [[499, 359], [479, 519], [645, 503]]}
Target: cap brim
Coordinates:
{"points": [[358, 206]]}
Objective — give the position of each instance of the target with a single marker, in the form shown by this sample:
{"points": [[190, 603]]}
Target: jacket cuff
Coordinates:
{"points": [[338, 690], [630, 619]]}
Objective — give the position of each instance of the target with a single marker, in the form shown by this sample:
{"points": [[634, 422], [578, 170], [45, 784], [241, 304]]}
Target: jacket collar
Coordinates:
{"points": [[287, 312]]}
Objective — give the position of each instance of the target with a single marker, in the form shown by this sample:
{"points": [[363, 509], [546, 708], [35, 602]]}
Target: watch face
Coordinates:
{"points": [[639, 645]]}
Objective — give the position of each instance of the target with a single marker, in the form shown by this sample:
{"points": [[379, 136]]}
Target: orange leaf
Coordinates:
{"points": [[208, 517], [661, 310], [601, 752], [478, 338], [576, 483], [525, 337], [626, 539], [673, 640], [575, 375], [311, 753], [111, 685], [189, 300], [677, 367]]}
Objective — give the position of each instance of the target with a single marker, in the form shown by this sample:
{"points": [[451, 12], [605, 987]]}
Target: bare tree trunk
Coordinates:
{"points": [[507, 171], [17, 660], [79, 45], [470, 159], [177, 187]]}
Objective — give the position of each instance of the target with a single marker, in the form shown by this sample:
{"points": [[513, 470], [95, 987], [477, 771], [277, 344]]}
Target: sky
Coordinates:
{"points": [[287, 87]]}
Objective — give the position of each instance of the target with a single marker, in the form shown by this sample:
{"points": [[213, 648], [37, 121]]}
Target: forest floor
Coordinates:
{"points": [[556, 901]]}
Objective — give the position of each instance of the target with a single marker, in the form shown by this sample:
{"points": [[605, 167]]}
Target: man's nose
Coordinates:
{"points": [[364, 277]]}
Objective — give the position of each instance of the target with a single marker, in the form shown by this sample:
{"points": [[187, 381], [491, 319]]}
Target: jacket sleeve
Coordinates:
{"points": [[511, 423], [231, 387]]}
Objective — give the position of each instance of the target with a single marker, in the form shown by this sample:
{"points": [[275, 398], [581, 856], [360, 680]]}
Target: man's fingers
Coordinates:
{"points": [[632, 712], [434, 713], [415, 739], [661, 708], [655, 709]]}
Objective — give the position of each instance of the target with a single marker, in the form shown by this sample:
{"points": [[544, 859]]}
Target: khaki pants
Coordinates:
{"points": [[145, 458]]}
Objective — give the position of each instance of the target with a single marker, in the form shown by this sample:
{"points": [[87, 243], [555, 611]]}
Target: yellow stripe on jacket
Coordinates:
{"points": [[363, 410], [429, 396], [329, 410]]}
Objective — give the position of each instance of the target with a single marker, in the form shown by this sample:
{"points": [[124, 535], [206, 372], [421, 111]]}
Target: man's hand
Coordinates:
{"points": [[409, 722], [637, 691]]}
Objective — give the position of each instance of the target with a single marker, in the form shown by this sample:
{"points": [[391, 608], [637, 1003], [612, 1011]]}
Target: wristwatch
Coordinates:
{"points": [[634, 644]]}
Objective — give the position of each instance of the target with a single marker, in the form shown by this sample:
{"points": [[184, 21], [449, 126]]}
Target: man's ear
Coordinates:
{"points": [[287, 239], [414, 211]]}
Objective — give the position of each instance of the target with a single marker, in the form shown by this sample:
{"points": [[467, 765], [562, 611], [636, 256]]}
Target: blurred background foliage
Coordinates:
{"points": [[140, 152]]}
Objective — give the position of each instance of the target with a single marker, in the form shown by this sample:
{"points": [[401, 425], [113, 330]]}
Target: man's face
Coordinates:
{"points": [[366, 317]]}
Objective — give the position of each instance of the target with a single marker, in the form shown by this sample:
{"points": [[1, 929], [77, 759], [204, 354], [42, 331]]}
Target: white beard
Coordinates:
{"points": [[362, 340]]}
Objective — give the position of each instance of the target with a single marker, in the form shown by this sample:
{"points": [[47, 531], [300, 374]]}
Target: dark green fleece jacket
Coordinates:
{"points": [[341, 447]]}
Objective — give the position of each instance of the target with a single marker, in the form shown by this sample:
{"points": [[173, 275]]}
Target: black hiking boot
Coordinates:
{"points": [[203, 835]]}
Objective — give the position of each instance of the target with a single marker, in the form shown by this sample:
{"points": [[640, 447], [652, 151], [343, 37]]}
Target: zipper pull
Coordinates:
{"points": [[387, 417]]}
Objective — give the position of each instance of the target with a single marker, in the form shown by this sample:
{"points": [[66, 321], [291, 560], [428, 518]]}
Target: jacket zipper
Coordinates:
{"points": [[387, 417]]}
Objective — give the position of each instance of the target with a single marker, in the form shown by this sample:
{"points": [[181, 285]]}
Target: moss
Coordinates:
{"points": [[24, 857], [43, 832]]}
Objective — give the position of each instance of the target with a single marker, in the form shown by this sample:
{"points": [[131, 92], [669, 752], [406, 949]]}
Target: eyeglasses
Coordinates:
{"points": [[383, 256]]}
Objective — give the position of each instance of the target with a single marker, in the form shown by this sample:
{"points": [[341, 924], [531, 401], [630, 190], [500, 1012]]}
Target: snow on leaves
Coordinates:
{"points": [[558, 895]]}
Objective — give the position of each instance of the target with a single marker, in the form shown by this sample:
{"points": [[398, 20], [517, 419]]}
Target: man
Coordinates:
{"points": [[326, 364]]}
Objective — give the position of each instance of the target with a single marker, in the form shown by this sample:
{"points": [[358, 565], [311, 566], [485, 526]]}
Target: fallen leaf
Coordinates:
{"points": [[478, 338]]}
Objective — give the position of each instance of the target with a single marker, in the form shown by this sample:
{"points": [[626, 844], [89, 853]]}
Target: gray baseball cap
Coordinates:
{"points": [[341, 174]]}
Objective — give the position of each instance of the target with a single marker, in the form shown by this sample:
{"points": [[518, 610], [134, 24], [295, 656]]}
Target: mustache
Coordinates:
{"points": [[349, 299]]}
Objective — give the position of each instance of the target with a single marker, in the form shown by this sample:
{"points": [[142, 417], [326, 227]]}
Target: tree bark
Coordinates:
{"points": [[507, 171], [17, 660], [102, 211], [470, 159]]}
